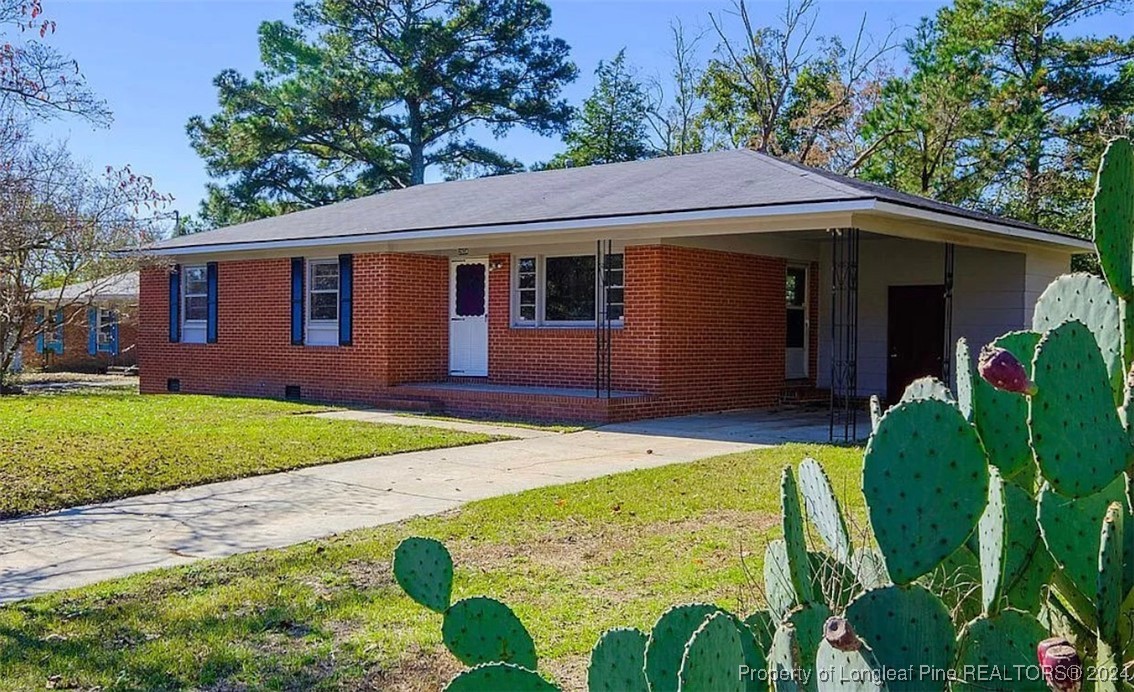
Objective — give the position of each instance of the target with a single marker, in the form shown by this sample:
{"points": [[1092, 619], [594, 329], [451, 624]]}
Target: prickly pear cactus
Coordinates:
{"points": [[492, 677], [1086, 299], [823, 509], [668, 638], [1001, 418], [618, 662], [424, 570], [713, 657], [1004, 643], [1114, 217], [483, 630], [925, 478], [906, 626], [1076, 434]]}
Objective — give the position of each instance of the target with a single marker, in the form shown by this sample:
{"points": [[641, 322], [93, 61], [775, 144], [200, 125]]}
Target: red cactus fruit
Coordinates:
{"points": [[1000, 368], [840, 635], [1059, 662]]}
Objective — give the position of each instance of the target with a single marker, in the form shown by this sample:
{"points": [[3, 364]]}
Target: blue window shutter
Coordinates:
{"points": [[346, 299], [92, 331], [297, 271], [211, 282], [40, 337], [175, 304], [57, 335], [114, 333]]}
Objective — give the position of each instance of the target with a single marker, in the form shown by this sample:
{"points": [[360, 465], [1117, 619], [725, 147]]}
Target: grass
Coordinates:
{"points": [[572, 560], [63, 450]]}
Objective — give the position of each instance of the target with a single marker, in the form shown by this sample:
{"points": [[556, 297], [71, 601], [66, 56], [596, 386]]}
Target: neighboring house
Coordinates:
{"points": [[693, 283], [96, 328]]}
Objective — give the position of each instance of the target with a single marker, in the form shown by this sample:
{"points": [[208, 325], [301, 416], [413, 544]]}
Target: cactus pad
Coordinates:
{"points": [[870, 569], [483, 630], [778, 589], [965, 378], [1087, 299], [809, 620], [875, 411], [823, 508], [491, 677], [845, 671], [928, 388], [1000, 653], [906, 627], [1027, 564], [667, 642], [1076, 434], [1001, 418], [1070, 529], [713, 658], [1114, 216], [618, 662], [761, 625], [926, 484], [424, 570], [1110, 592], [992, 534], [795, 540], [785, 662]]}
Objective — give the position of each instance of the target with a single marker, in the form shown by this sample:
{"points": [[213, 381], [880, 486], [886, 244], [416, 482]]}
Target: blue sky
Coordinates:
{"points": [[153, 61]]}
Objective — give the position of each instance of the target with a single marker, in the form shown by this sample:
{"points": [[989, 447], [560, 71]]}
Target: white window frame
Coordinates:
{"points": [[541, 320], [193, 331], [321, 332], [105, 317]]}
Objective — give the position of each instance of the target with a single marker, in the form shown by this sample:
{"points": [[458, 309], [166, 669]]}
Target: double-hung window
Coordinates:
{"points": [[323, 302], [567, 290], [194, 304], [107, 330]]}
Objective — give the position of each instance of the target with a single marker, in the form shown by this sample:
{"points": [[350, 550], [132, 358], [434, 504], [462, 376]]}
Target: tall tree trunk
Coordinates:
{"points": [[416, 145]]}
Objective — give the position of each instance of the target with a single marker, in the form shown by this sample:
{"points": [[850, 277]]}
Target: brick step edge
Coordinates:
{"points": [[416, 405]]}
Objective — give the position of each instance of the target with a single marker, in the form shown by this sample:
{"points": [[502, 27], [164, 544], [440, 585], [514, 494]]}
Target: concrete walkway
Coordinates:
{"points": [[79, 546]]}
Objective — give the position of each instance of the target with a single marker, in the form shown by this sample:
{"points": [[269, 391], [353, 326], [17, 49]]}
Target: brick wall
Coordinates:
{"points": [[75, 357], [703, 330], [254, 356]]}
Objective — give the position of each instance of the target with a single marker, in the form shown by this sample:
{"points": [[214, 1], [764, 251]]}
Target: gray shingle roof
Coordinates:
{"points": [[117, 287], [695, 182]]}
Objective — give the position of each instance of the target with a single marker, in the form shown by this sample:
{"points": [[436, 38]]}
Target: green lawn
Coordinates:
{"points": [[62, 450], [572, 560]]}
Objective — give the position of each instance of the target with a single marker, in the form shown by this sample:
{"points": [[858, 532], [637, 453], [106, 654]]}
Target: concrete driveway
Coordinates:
{"points": [[83, 545]]}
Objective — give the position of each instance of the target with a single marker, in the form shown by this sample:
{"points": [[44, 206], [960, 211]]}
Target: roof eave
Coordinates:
{"points": [[487, 232]]}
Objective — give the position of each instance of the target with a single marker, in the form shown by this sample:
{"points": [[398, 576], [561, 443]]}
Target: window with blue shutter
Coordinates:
{"points": [[92, 331], [54, 343], [211, 297], [297, 298], [175, 304], [346, 300]]}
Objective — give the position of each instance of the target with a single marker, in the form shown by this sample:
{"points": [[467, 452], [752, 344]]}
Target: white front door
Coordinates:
{"points": [[468, 317], [795, 353]]}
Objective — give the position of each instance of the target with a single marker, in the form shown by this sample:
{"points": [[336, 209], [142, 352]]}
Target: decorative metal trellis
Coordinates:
{"points": [[844, 334], [603, 321], [947, 347]]}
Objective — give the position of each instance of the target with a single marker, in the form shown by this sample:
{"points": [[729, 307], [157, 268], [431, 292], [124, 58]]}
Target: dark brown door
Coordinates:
{"points": [[916, 336]]}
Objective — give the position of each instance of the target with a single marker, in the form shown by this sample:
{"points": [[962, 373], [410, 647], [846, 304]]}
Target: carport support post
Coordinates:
{"points": [[947, 347], [844, 335]]}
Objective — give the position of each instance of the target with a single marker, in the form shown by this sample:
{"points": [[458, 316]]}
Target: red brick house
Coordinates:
{"points": [[693, 283], [96, 327]]}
